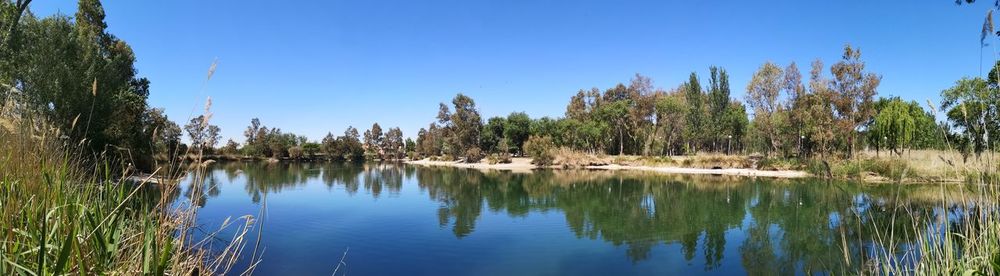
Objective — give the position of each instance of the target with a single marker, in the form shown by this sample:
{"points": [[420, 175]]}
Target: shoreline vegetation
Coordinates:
{"points": [[75, 124]]}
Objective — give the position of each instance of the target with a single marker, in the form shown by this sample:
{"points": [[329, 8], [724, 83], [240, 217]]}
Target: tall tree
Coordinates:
{"points": [[695, 114], [970, 107], [718, 96], [855, 94], [202, 134], [763, 91], [462, 128]]}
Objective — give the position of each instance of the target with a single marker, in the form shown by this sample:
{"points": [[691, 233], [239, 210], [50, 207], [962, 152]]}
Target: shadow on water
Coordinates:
{"points": [[787, 226]]}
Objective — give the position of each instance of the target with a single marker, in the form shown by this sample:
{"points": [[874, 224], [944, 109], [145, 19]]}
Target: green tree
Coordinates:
{"points": [[719, 103], [393, 144], [616, 114], [492, 134], [671, 114], [694, 131], [893, 127], [204, 136], [330, 147], [79, 76], [855, 91], [374, 142], [462, 128], [970, 107], [517, 128], [763, 91]]}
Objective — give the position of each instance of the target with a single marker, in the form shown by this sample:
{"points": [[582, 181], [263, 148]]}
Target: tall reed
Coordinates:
{"points": [[61, 214]]}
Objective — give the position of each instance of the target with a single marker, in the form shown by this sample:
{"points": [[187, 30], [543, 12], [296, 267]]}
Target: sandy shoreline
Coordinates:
{"points": [[524, 165]]}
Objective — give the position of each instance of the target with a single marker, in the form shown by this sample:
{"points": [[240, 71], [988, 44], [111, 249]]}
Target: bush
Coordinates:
{"points": [[413, 155], [540, 149], [473, 155], [501, 158], [296, 152], [569, 158]]}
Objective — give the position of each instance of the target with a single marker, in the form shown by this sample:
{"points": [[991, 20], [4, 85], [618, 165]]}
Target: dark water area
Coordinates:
{"points": [[399, 219]]}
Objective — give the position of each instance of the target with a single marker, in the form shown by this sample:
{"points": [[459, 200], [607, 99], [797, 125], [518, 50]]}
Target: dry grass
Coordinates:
{"points": [[938, 165], [568, 158]]}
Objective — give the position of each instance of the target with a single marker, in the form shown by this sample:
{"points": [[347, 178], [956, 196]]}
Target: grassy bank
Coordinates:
{"points": [[62, 215]]}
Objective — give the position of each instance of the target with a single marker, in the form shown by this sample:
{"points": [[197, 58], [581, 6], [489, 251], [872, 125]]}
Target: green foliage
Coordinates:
{"points": [[517, 128], [971, 109], [230, 148], [762, 96], [98, 100], [541, 150], [894, 125], [492, 134]]}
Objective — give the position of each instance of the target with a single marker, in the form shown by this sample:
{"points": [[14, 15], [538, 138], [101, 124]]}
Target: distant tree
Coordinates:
{"points": [[328, 146], [616, 114], [577, 108], [393, 145], [736, 124], [310, 149], [671, 115], [462, 128], [431, 143], [374, 141], [817, 113], [763, 91], [855, 92], [411, 146], [893, 127], [251, 132], [719, 103], [970, 107], [492, 134], [516, 130], [202, 134], [695, 114], [231, 147], [166, 134]]}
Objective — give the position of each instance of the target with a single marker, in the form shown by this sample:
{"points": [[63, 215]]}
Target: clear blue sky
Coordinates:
{"points": [[313, 67]]}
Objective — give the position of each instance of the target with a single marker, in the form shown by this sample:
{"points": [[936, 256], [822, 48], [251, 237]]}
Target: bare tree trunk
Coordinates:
{"points": [[621, 142]]}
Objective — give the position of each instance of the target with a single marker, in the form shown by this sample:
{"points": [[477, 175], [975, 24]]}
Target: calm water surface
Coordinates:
{"points": [[400, 219]]}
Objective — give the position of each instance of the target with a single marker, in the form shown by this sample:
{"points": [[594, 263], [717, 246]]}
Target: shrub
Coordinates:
{"points": [[501, 158], [540, 149], [296, 152], [473, 155], [569, 158], [413, 155]]}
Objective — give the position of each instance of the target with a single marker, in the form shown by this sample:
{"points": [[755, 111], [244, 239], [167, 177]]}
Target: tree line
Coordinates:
{"points": [[831, 115], [83, 80]]}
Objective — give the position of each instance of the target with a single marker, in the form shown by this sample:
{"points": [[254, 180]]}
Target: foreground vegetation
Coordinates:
{"points": [[76, 127], [61, 215]]}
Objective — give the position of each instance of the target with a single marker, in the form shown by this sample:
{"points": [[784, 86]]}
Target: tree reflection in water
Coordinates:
{"points": [[781, 225]]}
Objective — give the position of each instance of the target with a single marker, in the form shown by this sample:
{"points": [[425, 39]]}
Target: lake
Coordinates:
{"points": [[402, 219]]}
